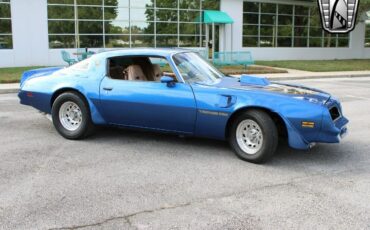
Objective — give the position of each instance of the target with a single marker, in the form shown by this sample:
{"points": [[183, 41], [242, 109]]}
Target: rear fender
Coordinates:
{"points": [[91, 98], [38, 73]]}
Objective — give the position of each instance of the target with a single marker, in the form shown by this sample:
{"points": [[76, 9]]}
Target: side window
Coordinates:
{"points": [[139, 68], [162, 67]]}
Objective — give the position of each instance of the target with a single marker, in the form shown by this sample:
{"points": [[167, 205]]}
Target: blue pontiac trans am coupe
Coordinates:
{"points": [[176, 91]]}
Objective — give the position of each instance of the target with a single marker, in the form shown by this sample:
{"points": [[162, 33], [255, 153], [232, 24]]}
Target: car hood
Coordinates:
{"points": [[38, 73], [291, 90]]}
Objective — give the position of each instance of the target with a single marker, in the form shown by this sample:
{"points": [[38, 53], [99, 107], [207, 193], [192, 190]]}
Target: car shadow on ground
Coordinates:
{"points": [[122, 136], [321, 154]]}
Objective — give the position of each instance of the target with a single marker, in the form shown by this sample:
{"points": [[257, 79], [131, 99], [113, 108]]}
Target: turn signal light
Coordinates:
{"points": [[308, 124]]}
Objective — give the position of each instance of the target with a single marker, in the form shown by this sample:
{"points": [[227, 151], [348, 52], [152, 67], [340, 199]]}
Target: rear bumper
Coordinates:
{"points": [[40, 101], [24, 99]]}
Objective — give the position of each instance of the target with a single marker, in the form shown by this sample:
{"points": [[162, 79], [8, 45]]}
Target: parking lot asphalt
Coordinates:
{"points": [[120, 179]]}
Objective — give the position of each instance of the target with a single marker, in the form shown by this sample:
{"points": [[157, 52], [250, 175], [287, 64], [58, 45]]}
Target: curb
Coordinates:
{"points": [[16, 90], [6, 91]]}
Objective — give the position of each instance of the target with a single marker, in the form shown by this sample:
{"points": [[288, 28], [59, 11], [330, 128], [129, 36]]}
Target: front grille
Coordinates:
{"points": [[334, 113]]}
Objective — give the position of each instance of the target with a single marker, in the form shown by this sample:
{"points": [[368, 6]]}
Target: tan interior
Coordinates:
{"points": [[135, 73], [157, 72], [136, 69]]}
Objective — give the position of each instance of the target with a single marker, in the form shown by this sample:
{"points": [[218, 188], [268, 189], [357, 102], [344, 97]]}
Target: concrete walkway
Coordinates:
{"points": [[291, 75], [9, 88], [294, 74]]}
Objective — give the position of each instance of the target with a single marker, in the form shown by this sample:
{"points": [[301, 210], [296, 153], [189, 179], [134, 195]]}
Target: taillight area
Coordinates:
{"points": [[334, 113], [29, 94]]}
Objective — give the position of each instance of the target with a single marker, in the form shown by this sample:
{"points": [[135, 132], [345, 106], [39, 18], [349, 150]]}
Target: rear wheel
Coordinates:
{"points": [[253, 136], [71, 116]]}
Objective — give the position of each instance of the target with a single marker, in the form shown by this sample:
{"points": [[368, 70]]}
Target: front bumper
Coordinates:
{"points": [[343, 132], [333, 131], [330, 133]]}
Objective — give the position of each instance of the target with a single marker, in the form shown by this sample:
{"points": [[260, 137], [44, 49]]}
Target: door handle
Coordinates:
{"points": [[108, 88]]}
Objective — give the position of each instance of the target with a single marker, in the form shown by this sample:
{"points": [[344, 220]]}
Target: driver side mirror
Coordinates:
{"points": [[168, 80]]}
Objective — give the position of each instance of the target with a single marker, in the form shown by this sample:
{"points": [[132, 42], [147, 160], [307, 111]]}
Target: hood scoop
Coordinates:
{"points": [[253, 80]]}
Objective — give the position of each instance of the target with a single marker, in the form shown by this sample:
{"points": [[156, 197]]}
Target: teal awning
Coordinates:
{"points": [[216, 17]]}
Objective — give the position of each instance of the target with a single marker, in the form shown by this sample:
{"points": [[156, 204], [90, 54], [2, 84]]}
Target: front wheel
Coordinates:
{"points": [[71, 116], [253, 136]]}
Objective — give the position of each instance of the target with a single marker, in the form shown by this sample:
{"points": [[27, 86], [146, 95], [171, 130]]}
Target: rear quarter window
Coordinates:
{"points": [[82, 65]]}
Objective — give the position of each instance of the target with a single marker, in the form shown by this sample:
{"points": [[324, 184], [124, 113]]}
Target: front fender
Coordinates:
{"points": [[293, 112], [295, 139], [214, 114]]}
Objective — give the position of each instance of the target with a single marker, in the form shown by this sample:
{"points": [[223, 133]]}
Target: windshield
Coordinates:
{"points": [[193, 68]]}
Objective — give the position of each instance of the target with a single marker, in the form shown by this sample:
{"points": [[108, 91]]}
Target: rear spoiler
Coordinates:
{"points": [[38, 73]]}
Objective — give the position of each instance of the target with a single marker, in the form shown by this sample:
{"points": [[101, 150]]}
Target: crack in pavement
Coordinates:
{"points": [[220, 196], [126, 217]]}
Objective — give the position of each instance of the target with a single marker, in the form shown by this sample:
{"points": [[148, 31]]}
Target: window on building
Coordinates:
{"points": [[112, 23], [6, 39], [367, 36], [283, 25]]}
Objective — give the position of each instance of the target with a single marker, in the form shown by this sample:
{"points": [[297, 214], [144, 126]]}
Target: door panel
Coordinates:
{"points": [[148, 104]]}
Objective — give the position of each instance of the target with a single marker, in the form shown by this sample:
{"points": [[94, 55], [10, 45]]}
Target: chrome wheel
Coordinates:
{"points": [[70, 116], [249, 136]]}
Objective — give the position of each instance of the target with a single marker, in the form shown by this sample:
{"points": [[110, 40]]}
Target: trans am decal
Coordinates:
{"points": [[214, 113]]}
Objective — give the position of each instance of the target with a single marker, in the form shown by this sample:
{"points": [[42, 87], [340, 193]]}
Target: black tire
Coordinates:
{"points": [[269, 133], [86, 126]]}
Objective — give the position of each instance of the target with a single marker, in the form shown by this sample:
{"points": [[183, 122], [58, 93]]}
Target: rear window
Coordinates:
{"points": [[82, 65]]}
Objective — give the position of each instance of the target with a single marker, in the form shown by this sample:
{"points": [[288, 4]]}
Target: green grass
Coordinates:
{"points": [[13, 75], [250, 70], [321, 65], [239, 69]]}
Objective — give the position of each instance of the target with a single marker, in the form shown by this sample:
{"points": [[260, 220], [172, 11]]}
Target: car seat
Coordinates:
{"points": [[157, 72], [135, 73]]}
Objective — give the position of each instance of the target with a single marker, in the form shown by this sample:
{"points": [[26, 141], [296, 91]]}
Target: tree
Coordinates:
{"points": [[211, 4], [60, 26], [169, 18], [363, 7], [166, 21], [95, 27]]}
